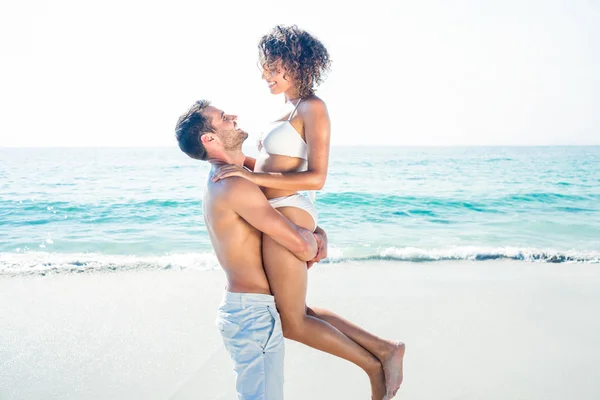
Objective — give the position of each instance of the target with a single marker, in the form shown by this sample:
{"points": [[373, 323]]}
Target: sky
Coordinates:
{"points": [[426, 72]]}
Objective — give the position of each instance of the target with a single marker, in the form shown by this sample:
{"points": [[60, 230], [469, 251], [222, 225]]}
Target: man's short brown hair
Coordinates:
{"points": [[190, 128]]}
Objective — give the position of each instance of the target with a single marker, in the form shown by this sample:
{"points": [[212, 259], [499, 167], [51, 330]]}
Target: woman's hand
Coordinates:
{"points": [[229, 170]]}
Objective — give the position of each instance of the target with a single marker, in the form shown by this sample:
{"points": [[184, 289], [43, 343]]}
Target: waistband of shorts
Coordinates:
{"points": [[244, 299]]}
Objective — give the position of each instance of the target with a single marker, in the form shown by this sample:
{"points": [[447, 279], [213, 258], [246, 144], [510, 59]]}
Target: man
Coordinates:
{"points": [[236, 214]]}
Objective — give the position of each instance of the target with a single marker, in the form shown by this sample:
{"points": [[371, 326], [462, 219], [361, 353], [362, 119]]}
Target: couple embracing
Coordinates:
{"points": [[266, 234]]}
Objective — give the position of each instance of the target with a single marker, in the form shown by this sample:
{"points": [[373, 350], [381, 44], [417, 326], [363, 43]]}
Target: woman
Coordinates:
{"points": [[294, 155]]}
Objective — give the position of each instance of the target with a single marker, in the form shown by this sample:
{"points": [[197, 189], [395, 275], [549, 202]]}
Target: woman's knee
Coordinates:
{"points": [[293, 326], [289, 332]]}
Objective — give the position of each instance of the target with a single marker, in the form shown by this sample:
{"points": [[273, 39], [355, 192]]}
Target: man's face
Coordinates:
{"points": [[226, 128]]}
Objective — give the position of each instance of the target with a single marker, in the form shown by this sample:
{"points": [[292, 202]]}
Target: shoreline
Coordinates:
{"points": [[13, 265]]}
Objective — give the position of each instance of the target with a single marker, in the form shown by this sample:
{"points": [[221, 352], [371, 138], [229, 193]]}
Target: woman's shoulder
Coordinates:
{"points": [[311, 105]]}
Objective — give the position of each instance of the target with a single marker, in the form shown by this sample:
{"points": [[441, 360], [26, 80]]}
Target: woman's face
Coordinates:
{"points": [[275, 77]]}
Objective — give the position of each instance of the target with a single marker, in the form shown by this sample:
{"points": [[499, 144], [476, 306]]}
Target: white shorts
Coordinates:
{"points": [[251, 330], [299, 201]]}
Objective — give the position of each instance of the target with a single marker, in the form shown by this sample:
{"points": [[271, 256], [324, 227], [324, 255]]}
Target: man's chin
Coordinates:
{"points": [[243, 135]]}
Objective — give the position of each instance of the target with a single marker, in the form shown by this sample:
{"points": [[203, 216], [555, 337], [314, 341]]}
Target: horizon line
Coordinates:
{"points": [[332, 146]]}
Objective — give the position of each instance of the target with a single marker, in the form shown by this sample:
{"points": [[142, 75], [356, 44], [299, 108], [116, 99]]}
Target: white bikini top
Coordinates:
{"points": [[283, 139]]}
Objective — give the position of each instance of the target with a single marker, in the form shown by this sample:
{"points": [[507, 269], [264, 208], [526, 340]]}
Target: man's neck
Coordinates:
{"points": [[233, 157]]}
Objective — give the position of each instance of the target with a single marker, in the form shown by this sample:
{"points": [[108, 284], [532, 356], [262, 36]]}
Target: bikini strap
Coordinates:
{"points": [[295, 108]]}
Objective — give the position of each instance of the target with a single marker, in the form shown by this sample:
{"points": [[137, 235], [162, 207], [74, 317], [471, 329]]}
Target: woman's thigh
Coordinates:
{"points": [[287, 274]]}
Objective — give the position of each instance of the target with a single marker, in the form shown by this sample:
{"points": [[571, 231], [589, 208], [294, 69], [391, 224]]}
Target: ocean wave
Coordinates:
{"points": [[44, 263], [497, 159], [474, 253], [516, 202], [30, 205], [552, 198]]}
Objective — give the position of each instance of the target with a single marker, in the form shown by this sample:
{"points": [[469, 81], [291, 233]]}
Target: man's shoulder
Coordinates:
{"points": [[230, 189]]}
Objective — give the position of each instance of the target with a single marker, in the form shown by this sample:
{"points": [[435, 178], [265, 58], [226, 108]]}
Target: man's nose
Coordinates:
{"points": [[231, 117]]}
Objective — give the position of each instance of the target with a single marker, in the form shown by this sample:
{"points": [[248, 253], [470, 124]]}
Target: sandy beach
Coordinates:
{"points": [[474, 330]]}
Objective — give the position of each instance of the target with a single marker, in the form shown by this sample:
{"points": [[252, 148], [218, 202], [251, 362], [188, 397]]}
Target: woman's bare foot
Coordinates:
{"points": [[377, 378], [392, 368]]}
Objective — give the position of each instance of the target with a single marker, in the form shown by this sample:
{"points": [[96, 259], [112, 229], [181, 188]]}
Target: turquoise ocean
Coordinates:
{"points": [[69, 210]]}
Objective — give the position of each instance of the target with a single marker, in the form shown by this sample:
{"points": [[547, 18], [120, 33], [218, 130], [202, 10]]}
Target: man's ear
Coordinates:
{"points": [[208, 139]]}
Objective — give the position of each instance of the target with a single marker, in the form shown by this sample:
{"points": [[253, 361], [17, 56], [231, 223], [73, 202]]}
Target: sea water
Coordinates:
{"points": [[80, 209]]}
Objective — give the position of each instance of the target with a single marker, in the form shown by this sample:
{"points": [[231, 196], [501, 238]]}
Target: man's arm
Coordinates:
{"points": [[249, 202]]}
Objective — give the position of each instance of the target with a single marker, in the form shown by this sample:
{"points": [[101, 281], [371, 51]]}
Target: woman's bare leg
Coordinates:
{"points": [[288, 279], [389, 353]]}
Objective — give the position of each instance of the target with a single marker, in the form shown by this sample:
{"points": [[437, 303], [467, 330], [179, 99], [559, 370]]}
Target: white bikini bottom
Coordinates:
{"points": [[299, 201]]}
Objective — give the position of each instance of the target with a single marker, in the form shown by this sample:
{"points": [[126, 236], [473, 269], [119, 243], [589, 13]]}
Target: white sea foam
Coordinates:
{"points": [[42, 263], [484, 253], [37, 263]]}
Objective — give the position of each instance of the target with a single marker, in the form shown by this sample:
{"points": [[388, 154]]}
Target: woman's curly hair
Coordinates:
{"points": [[303, 56]]}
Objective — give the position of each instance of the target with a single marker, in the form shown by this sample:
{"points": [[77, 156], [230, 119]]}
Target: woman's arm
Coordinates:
{"points": [[317, 129]]}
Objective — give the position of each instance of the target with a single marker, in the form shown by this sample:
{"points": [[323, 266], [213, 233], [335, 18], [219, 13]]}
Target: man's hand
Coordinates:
{"points": [[321, 238], [229, 170]]}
